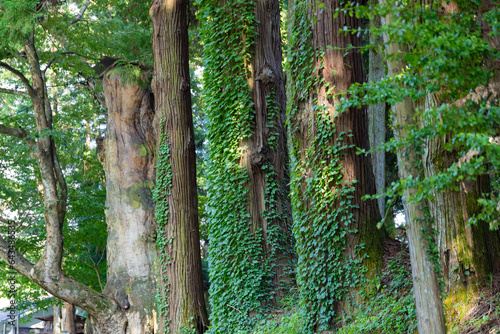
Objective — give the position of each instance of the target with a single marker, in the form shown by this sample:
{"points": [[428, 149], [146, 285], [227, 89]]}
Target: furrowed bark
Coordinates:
{"points": [[180, 280], [268, 92]]}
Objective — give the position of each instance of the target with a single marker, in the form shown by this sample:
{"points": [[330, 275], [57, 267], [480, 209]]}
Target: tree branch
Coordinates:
{"points": [[65, 288], [24, 80], [13, 92], [14, 132], [82, 11]]}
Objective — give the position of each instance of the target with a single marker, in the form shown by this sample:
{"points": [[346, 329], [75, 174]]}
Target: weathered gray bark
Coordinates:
{"points": [[127, 155], [376, 118], [430, 316], [181, 284]]}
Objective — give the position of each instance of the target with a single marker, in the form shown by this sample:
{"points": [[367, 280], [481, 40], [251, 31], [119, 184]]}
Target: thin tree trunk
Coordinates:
{"points": [[430, 316], [376, 118], [182, 304]]}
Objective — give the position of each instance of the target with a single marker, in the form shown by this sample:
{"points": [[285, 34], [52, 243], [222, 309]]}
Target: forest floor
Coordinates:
{"points": [[388, 305]]}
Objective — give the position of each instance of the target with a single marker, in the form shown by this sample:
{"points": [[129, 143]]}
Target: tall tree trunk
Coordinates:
{"points": [[426, 290], [376, 117], [127, 157], [181, 304], [251, 244], [334, 228]]}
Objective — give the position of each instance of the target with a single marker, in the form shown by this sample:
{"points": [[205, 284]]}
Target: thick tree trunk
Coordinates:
{"points": [[182, 304], [468, 253], [326, 164], [430, 316], [127, 157], [266, 155], [251, 244]]}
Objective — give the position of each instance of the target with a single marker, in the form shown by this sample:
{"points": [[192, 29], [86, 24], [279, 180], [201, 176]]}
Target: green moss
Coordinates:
{"points": [[144, 149], [139, 195]]}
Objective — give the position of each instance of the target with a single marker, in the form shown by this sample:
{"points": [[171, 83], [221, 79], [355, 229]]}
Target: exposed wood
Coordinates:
{"points": [[128, 164]]}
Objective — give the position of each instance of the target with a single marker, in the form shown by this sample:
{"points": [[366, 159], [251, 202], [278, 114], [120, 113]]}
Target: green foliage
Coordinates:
{"points": [[388, 309], [67, 48], [447, 77], [236, 273], [17, 19], [321, 198], [131, 74], [76, 123], [288, 319], [240, 268]]}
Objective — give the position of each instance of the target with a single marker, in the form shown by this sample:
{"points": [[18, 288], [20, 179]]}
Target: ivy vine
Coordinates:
{"points": [[321, 197], [241, 264], [160, 195]]}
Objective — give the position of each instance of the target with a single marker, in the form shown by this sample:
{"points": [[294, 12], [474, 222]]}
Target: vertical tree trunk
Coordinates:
{"points": [[376, 118], [430, 316], [181, 304], [334, 228], [47, 272], [266, 157], [127, 157], [251, 244], [68, 323], [468, 253]]}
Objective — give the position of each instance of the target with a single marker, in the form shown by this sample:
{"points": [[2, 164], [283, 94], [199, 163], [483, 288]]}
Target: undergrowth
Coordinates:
{"points": [[388, 307]]}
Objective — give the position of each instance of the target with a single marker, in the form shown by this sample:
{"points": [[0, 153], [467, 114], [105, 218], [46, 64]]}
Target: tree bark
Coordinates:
{"points": [[376, 118], [181, 284], [430, 316], [127, 156], [251, 243], [318, 129], [266, 155], [68, 323]]}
